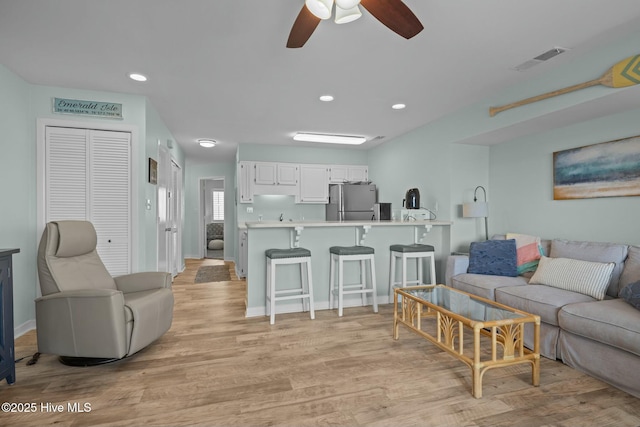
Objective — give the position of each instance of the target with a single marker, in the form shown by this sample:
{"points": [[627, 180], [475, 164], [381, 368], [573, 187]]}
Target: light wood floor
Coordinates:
{"points": [[216, 368]]}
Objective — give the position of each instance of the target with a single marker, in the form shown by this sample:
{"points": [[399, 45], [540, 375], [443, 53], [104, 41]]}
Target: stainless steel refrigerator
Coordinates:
{"points": [[349, 202]]}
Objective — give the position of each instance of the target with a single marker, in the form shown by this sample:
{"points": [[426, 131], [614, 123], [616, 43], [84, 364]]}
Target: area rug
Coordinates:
{"points": [[213, 273]]}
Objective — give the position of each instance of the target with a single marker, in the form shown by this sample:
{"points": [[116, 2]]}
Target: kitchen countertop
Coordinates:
{"points": [[293, 224]]}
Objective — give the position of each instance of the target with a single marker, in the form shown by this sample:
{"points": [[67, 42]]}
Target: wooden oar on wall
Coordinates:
{"points": [[624, 73]]}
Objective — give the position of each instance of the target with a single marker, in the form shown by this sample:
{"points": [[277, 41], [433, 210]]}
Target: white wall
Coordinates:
{"points": [[156, 134], [21, 104], [17, 174], [521, 181], [445, 173]]}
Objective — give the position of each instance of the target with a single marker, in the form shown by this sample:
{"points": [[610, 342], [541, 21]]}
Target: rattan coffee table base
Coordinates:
{"points": [[506, 335]]}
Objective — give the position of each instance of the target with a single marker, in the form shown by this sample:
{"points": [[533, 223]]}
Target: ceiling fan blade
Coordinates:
{"points": [[303, 27], [395, 15]]}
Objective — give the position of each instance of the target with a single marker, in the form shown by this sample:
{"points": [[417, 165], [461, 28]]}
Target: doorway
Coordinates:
{"points": [[213, 217], [169, 197]]}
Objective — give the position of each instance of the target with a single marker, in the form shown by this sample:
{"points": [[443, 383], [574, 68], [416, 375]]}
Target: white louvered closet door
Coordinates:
{"points": [[88, 178]]}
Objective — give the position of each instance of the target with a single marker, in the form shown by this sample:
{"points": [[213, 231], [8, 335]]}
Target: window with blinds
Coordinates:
{"points": [[218, 205]]}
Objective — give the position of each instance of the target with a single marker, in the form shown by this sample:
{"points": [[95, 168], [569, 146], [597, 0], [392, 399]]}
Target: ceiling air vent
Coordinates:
{"points": [[540, 58]]}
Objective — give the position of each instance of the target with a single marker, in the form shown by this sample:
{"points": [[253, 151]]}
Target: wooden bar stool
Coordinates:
{"points": [[340, 254], [404, 252], [277, 257]]}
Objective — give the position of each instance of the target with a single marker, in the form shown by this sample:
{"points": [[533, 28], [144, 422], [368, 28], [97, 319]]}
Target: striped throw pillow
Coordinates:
{"points": [[585, 277]]}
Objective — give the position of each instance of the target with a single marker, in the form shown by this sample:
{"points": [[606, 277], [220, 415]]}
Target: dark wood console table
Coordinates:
{"points": [[7, 356]]}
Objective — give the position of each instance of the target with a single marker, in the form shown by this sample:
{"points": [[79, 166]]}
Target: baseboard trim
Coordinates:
{"points": [[27, 326], [297, 307]]}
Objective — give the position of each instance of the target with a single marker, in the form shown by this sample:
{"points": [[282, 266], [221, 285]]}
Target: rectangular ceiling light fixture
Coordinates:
{"points": [[329, 139]]}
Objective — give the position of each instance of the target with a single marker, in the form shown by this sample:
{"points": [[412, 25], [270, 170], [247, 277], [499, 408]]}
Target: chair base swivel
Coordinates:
{"points": [[85, 361]]}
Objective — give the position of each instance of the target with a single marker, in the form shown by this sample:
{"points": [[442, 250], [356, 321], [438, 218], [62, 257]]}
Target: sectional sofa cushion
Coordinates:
{"points": [[493, 257], [596, 252], [528, 251], [585, 277], [483, 285], [612, 322], [631, 272], [631, 294], [544, 301]]}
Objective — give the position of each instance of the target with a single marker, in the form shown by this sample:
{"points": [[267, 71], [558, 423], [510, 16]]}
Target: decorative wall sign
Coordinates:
{"points": [[87, 108], [153, 171], [608, 169]]}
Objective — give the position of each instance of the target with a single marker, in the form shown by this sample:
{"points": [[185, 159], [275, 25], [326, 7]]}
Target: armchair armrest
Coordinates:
{"points": [[456, 264], [145, 281], [82, 323]]}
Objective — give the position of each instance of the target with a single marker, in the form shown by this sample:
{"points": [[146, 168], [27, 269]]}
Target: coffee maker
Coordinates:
{"points": [[412, 199]]}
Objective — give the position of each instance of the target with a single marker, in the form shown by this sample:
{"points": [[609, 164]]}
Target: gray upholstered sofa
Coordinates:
{"points": [[598, 337]]}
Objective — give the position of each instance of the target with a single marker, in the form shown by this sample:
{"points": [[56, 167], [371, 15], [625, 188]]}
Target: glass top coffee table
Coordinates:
{"points": [[441, 315]]}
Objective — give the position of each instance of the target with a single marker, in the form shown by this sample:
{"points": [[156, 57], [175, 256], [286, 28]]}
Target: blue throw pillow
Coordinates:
{"points": [[495, 257], [631, 294]]}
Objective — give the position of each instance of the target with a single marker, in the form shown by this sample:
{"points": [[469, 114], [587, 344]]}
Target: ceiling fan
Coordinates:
{"points": [[392, 13]]}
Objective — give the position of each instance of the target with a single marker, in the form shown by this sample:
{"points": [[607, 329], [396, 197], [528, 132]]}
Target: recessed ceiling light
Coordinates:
{"points": [[398, 106], [329, 139], [138, 77], [326, 98], [207, 143]]}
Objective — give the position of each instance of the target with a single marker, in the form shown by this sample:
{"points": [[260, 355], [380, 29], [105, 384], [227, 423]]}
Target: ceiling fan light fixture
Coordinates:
{"points": [[320, 8], [329, 138], [344, 16], [347, 4]]}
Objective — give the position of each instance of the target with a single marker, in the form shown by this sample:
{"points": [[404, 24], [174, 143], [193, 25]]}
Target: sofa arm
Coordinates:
{"points": [[456, 264], [145, 281], [82, 323]]}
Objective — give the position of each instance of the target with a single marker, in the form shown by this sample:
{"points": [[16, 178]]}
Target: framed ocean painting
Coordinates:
{"points": [[608, 169]]}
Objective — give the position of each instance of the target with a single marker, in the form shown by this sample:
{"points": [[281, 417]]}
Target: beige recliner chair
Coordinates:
{"points": [[84, 312]]}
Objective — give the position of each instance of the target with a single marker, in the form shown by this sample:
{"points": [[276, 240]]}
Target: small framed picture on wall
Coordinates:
{"points": [[153, 171]]}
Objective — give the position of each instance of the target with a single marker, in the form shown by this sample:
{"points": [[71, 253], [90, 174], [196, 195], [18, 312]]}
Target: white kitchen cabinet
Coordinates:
{"points": [[270, 178], [245, 182], [348, 173], [287, 174], [265, 173], [309, 183], [337, 174], [357, 173], [268, 173], [314, 184]]}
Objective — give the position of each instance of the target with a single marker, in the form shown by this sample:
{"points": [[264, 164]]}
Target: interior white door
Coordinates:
{"points": [[88, 177], [175, 203], [110, 198], [164, 225], [169, 213]]}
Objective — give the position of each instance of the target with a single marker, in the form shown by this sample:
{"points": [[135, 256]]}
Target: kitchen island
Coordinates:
{"points": [[318, 237]]}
